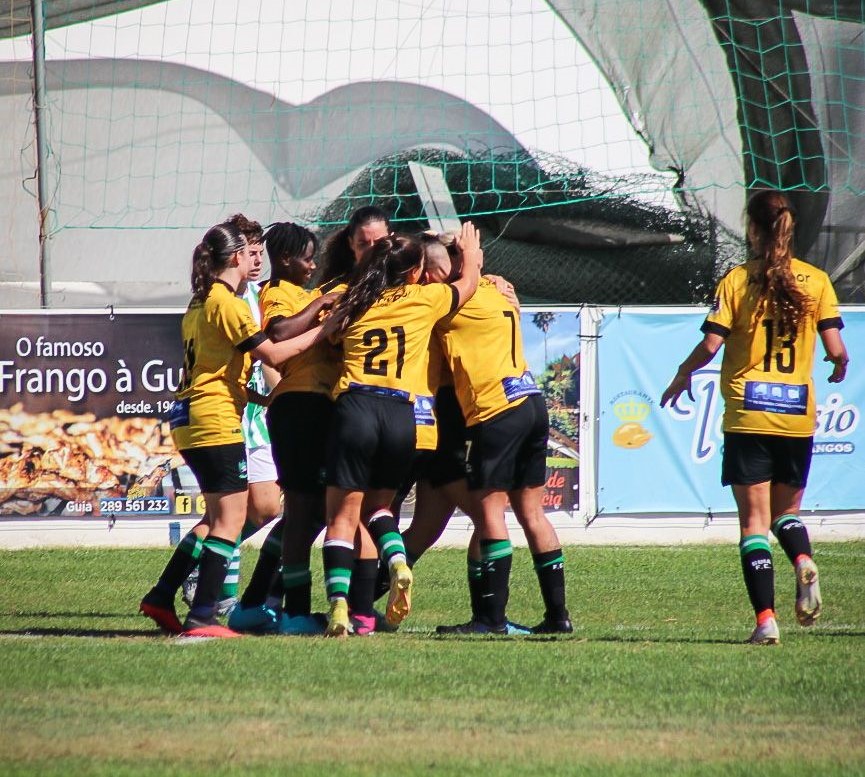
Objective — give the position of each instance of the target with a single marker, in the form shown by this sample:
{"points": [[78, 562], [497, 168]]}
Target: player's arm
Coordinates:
{"points": [[702, 354], [274, 354], [836, 352], [469, 245], [281, 328]]}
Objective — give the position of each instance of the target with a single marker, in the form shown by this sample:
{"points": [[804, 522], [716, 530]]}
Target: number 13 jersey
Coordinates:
{"points": [[766, 373]]}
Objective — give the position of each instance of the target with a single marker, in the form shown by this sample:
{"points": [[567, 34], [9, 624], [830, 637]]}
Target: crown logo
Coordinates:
{"points": [[631, 411]]}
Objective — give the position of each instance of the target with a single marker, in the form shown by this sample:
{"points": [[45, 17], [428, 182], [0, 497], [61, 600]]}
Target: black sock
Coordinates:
{"points": [[180, 565], [792, 536], [759, 574], [265, 568], [496, 557], [361, 593], [550, 569], [215, 558]]}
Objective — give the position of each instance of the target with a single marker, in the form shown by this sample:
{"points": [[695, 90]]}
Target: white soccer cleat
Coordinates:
{"points": [[766, 633], [809, 603]]}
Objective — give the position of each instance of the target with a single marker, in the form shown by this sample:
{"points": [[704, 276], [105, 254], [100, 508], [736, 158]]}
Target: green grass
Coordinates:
{"points": [[655, 681]]}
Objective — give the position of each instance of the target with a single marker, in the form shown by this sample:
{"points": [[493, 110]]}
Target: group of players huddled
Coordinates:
{"points": [[402, 367]]}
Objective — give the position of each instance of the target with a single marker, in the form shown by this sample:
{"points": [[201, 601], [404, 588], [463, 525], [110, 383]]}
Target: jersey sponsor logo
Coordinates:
{"points": [[784, 398], [424, 411], [178, 415], [523, 386]]}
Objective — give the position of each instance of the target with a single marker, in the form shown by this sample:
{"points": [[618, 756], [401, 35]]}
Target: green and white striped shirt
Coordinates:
{"points": [[254, 426]]}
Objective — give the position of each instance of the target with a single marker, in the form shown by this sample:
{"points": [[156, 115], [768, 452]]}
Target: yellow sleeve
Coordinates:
{"points": [[828, 316], [234, 319], [723, 312]]}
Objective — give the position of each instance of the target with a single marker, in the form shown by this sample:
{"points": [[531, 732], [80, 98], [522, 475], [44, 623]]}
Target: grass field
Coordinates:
{"points": [[655, 681]]}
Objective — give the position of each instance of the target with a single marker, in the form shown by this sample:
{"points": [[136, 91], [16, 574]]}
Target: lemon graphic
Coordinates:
{"points": [[631, 435]]}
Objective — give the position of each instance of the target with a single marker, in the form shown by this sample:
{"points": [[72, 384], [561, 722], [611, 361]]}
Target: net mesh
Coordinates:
{"points": [[605, 148]]}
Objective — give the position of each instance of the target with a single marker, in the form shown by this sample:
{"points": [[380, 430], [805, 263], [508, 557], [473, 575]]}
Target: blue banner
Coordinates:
{"points": [[668, 460]]}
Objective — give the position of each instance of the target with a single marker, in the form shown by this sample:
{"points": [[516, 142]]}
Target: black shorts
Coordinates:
{"points": [[372, 442], [757, 458], [299, 424], [448, 462], [509, 451], [219, 469]]}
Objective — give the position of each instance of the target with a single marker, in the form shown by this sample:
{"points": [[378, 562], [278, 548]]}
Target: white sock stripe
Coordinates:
{"points": [[338, 544], [380, 514]]}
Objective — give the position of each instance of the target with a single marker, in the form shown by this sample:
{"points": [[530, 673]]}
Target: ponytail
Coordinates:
{"points": [[385, 265], [212, 255], [771, 215]]}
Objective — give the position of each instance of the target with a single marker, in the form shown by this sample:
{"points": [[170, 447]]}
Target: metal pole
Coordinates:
{"points": [[37, 20]]}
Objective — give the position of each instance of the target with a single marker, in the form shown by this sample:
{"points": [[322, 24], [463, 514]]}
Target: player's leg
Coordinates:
{"points": [[158, 602], [364, 576], [793, 462], [338, 553], [747, 467]]}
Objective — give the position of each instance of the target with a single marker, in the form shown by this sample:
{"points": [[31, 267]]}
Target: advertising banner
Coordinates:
{"points": [[84, 400], [551, 340], [667, 460], [83, 403]]}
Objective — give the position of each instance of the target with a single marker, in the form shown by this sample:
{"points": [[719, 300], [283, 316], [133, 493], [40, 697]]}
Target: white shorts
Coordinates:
{"points": [[259, 465]]}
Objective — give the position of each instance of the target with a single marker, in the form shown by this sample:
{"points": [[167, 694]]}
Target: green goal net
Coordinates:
{"points": [[606, 149]]}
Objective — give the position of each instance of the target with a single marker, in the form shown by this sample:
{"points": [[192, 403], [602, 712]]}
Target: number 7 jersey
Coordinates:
{"points": [[766, 373]]}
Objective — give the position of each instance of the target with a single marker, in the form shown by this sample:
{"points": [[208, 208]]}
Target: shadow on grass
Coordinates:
{"points": [[87, 633]]}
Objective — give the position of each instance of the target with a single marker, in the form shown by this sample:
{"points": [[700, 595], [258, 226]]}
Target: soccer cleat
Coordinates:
{"points": [[188, 587], [399, 599], [255, 620], [552, 626], [362, 625], [195, 627], [156, 607], [302, 625], [809, 603], [338, 623], [766, 633]]}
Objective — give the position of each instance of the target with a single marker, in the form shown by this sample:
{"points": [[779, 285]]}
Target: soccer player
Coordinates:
{"points": [[299, 414], [345, 247], [220, 339], [767, 314], [505, 448], [384, 321]]}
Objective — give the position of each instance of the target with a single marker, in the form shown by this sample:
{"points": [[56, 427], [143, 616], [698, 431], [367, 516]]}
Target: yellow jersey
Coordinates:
{"points": [[766, 376], [218, 334], [386, 350], [316, 369], [483, 346]]}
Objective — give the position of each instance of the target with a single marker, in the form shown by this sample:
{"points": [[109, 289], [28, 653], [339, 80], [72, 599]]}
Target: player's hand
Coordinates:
{"points": [[681, 383], [839, 371], [469, 243]]}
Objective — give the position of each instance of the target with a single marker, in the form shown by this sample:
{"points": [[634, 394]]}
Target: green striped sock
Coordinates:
{"points": [[338, 557]]}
